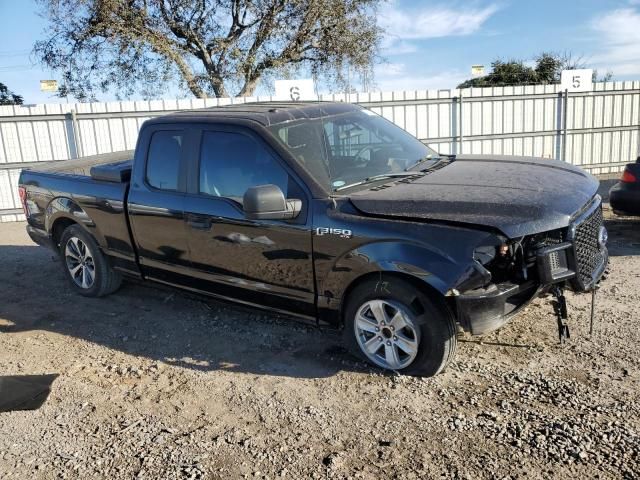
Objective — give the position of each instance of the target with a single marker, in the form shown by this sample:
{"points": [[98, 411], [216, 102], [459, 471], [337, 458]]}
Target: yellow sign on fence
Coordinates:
{"points": [[49, 85], [477, 70]]}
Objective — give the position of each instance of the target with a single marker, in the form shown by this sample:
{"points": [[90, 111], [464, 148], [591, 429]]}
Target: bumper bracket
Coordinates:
{"points": [[560, 310]]}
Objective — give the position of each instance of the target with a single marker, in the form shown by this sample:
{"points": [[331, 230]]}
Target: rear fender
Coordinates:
{"points": [[65, 208]]}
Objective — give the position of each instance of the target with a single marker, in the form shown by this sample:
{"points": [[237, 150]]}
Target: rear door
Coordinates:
{"points": [[156, 203], [264, 262]]}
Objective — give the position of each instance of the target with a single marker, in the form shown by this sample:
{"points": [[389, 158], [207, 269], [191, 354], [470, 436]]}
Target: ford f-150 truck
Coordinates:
{"points": [[329, 212]]}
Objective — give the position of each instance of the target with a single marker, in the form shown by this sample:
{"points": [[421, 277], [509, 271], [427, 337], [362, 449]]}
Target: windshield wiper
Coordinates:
{"points": [[375, 178], [439, 159], [422, 160]]}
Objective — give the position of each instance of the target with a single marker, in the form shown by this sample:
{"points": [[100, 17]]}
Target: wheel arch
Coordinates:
{"points": [[388, 275], [62, 212], [427, 269], [59, 226]]}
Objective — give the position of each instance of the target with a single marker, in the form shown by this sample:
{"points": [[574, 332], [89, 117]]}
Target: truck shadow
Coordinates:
{"points": [[164, 325], [24, 392]]}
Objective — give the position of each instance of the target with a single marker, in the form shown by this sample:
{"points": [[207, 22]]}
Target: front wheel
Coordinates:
{"points": [[86, 268], [396, 326]]}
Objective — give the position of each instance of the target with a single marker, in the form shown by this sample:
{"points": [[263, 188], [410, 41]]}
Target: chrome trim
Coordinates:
{"points": [[587, 210]]}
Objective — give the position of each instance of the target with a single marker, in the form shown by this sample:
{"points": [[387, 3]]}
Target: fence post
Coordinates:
{"points": [[456, 128], [564, 124], [638, 151], [72, 134], [461, 122], [76, 134], [454, 125]]}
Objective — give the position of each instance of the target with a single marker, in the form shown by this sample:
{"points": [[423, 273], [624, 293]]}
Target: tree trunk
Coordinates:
{"points": [[195, 88], [249, 87], [185, 71], [217, 84]]}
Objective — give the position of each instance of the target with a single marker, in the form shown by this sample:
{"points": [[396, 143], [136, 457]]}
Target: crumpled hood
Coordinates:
{"points": [[516, 195]]}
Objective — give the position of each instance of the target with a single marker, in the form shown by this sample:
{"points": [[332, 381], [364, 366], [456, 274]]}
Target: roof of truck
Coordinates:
{"points": [[265, 113]]}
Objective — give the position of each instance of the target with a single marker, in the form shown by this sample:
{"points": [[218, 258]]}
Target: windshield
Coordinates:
{"points": [[352, 148]]}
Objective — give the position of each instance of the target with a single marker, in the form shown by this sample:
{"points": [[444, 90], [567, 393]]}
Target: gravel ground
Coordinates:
{"points": [[157, 384]]}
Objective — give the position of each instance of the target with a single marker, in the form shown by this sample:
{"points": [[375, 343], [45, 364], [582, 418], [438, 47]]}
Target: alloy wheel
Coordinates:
{"points": [[80, 263], [387, 334]]}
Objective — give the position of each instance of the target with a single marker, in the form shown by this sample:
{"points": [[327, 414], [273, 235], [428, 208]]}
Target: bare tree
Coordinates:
{"points": [[213, 47]]}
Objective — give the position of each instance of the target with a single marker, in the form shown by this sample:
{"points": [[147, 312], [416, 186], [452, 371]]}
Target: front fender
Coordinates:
{"points": [[428, 264], [425, 263]]}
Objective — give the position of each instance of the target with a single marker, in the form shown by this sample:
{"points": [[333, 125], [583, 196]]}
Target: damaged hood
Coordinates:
{"points": [[516, 195]]}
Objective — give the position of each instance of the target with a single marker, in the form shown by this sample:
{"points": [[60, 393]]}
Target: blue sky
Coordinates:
{"points": [[430, 44]]}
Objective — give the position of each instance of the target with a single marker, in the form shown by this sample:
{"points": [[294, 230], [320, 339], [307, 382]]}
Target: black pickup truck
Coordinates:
{"points": [[329, 212]]}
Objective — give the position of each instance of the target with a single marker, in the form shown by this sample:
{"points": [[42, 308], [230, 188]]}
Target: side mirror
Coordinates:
{"points": [[267, 202]]}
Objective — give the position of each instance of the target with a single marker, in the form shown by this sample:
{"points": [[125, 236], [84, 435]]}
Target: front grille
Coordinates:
{"points": [[588, 254]]}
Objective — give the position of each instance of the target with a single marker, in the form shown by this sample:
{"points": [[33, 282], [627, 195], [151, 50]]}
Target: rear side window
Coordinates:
{"points": [[231, 163], [163, 159]]}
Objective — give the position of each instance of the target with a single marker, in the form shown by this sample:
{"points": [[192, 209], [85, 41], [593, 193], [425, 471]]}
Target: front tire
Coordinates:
{"points": [[396, 326], [86, 268]]}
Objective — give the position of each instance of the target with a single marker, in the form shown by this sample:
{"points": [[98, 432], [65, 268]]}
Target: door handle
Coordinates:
{"points": [[200, 223]]}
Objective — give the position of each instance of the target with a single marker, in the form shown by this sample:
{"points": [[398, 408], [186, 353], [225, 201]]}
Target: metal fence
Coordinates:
{"points": [[598, 130]]}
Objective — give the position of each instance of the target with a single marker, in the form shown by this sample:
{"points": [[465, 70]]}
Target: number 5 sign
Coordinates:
{"points": [[579, 80]]}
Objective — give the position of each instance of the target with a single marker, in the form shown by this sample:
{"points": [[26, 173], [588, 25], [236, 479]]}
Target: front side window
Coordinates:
{"points": [[231, 163], [163, 159], [344, 149]]}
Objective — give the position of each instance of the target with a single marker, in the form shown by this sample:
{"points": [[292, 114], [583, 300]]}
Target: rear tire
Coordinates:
{"points": [[396, 326], [85, 266]]}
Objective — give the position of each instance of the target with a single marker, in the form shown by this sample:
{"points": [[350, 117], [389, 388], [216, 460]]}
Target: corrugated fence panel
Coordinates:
{"points": [[10, 143], [602, 126], [9, 189]]}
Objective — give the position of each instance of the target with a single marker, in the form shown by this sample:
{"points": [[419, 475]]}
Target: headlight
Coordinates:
{"points": [[484, 254]]}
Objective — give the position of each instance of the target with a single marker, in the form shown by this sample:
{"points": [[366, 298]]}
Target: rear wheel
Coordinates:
{"points": [[86, 268], [396, 326]]}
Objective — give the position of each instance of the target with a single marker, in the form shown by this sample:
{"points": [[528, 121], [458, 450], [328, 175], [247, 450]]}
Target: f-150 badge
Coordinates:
{"points": [[342, 232]]}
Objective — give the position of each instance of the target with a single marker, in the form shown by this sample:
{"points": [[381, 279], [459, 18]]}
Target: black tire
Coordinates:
{"points": [[436, 337], [105, 280]]}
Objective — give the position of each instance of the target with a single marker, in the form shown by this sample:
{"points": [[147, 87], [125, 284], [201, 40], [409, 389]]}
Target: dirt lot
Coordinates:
{"points": [[157, 384]]}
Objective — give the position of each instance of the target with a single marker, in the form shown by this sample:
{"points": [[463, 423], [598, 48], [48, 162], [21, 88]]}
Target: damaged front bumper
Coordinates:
{"points": [[485, 310], [577, 260]]}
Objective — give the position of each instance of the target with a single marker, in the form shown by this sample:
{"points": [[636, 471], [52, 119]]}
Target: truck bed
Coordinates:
{"points": [[83, 166], [91, 191]]}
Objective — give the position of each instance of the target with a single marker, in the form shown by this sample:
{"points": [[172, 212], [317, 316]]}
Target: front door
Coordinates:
{"points": [[263, 262]]}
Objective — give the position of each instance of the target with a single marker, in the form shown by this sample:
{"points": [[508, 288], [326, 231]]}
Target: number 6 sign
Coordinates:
{"points": [[295, 90]]}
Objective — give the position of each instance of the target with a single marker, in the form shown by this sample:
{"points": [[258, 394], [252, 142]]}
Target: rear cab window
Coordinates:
{"points": [[163, 159]]}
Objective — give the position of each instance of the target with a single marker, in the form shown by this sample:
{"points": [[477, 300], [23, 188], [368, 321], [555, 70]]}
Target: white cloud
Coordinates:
{"points": [[402, 25], [393, 46], [394, 69], [619, 33], [432, 22]]}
